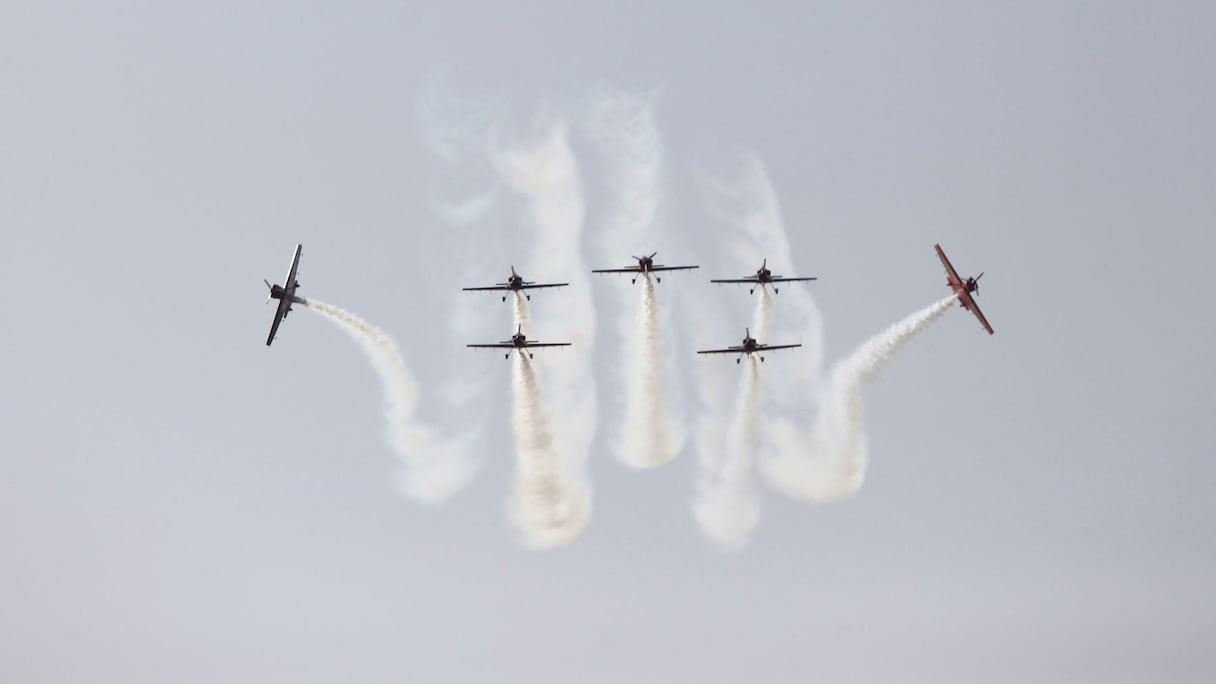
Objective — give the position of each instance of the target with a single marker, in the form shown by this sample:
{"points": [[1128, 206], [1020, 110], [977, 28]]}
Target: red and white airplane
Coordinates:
{"points": [[286, 294], [964, 289], [518, 341], [645, 265], [763, 277], [515, 283], [750, 346]]}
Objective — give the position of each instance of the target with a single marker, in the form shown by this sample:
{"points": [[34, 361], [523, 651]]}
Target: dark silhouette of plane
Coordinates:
{"points": [[286, 294], [518, 341], [515, 283], [763, 277], [964, 289], [750, 346], [645, 265]]}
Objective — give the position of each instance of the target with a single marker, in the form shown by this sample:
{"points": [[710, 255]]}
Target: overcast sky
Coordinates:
{"points": [[180, 503]]}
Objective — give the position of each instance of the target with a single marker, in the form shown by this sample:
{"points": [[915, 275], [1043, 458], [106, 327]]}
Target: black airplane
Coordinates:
{"points": [[749, 347], [763, 277], [286, 294], [518, 341], [515, 283], [645, 265]]}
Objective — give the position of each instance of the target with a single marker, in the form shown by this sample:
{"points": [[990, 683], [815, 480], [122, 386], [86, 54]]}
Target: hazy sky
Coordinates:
{"points": [[179, 503]]}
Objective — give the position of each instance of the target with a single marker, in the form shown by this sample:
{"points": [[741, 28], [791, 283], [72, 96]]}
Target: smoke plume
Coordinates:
{"points": [[728, 504], [545, 173], [647, 440], [431, 471], [829, 463], [549, 506], [621, 125]]}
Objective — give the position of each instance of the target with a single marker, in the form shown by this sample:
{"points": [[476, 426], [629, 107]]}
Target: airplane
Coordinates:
{"points": [[763, 277], [515, 283], [750, 346], [518, 341], [645, 265], [964, 289], [286, 294]]}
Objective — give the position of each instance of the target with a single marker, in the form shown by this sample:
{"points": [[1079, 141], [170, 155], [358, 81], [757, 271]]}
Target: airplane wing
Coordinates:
{"points": [[673, 268], [627, 269], [496, 288], [278, 317], [295, 264], [775, 347], [752, 279], [530, 345], [500, 345], [783, 279], [951, 274], [728, 350], [537, 286], [969, 303]]}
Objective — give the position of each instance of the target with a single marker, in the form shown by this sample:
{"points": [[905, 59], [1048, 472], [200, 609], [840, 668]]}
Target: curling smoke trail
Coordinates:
{"points": [[545, 172], [550, 507], [829, 464], [764, 315], [431, 472], [647, 440], [622, 125], [728, 507], [728, 504]]}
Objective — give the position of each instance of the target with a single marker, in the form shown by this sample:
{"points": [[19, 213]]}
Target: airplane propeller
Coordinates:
{"points": [[269, 287], [977, 282]]}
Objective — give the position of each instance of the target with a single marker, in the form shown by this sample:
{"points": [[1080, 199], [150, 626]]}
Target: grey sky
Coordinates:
{"points": [[178, 503]]}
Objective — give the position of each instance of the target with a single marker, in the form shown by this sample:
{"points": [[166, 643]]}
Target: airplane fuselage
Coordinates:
{"points": [[967, 286], [288, 293]]}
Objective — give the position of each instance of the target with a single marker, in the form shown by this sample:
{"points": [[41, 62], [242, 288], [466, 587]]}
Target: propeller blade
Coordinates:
{"points": [[269, 287]]}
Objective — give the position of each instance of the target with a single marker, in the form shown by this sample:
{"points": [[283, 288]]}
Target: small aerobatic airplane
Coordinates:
{"points": [[515, 283], [964, 289], [645, 265], [518, 341], [763, 277], [750, 346], [286, 294]]}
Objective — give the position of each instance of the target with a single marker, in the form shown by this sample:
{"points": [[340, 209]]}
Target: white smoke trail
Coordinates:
{"points": [[764, 316], [431, 471], [548, 506], [748, 204], [829, 463], [545, 172], [622, 126], [647, 440], [728, 504]]}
